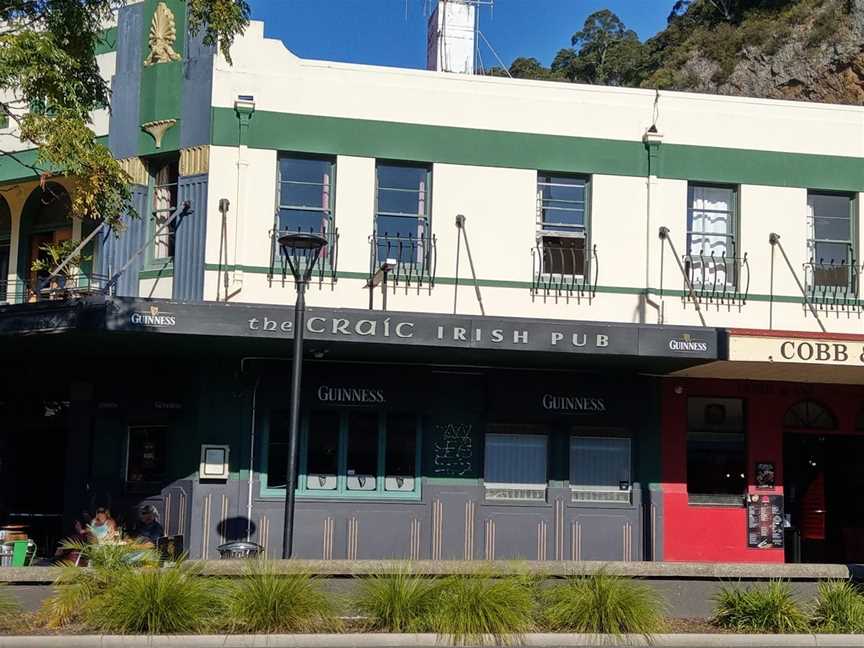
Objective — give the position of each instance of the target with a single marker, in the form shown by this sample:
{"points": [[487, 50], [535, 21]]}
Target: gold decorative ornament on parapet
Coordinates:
{"points": [[163, 34]]}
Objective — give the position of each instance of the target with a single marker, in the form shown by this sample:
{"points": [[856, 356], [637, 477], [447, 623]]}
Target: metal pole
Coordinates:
{"points": [[384, 292], [299, 325]]}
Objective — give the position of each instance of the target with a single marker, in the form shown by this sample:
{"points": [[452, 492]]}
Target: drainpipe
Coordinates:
{"points": [[652, 140], [244, 106]]}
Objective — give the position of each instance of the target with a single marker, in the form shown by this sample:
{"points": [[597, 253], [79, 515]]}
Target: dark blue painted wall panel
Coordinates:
{"points": [[117, 249], [191, 233], [197, 90], [125, 86]]}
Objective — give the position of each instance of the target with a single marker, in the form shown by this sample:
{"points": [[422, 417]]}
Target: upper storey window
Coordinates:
{"points": [[164, 175], [402, 212], [830, 223], [562, 208], [711, 244], [305, 194]]}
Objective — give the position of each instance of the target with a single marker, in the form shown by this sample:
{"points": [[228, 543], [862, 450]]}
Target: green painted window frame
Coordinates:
{"points": [[540, 232], [341, 492], [153, 163], [427, 209], [329, 259], [815, 291]]}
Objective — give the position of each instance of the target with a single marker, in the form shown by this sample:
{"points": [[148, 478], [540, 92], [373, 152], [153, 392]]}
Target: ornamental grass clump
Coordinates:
{"points": [[168, 600], [75, 588], [483, 608], [602, 604], [398, 601], [265, 601], [770, 608], [839, 609]]}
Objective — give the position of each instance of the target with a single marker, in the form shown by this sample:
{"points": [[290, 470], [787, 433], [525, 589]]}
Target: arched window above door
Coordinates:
{"points": [[809, 415], [48, 207]]}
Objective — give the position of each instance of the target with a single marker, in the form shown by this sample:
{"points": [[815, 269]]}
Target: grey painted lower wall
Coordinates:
{"points": [[448, 523]]}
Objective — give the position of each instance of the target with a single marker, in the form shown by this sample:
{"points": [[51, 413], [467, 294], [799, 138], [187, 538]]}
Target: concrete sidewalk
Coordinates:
{"points": [[433, 641]]}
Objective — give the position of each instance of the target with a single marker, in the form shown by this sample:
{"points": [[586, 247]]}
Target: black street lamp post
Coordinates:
{"points": [[302, 251]]}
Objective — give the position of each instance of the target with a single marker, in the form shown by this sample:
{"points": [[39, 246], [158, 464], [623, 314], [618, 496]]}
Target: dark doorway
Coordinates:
{"points": [[32, 471], [823, 484]]}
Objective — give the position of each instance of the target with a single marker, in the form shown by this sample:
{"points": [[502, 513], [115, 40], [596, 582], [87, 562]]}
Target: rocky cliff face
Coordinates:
{"points": [[814, 55]]}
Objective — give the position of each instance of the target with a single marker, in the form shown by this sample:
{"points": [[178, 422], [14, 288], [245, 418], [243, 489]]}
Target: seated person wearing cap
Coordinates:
{"points": [[149, 529]]}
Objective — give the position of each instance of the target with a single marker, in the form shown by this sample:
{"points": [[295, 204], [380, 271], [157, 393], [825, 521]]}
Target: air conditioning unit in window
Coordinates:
{"points": [[585, 494], [515, 492]]}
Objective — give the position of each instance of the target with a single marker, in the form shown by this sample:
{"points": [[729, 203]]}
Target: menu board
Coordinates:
{"points": [[764, 521]]}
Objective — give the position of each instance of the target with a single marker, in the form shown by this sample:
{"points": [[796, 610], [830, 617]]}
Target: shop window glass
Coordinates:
{"points": [[362, 461], [146, 454], [400, 457], [600, 468], [277, 449], [716, 449], [322, 458], [515, 466]]}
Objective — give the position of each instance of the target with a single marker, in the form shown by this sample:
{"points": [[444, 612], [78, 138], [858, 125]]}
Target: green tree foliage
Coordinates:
{"points": [[48, 58], [604, 51]]}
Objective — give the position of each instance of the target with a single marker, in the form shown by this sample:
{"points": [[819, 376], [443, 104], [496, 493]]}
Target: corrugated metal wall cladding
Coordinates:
{"points": [[116, 250], [190, 240]]}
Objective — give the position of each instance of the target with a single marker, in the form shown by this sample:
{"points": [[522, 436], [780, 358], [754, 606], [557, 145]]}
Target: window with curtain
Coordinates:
{"points": [[829, 243], [402, 212], [562, 223], [164, 174], [711, 216], [515, 465], [600, 462], [716, 449]]}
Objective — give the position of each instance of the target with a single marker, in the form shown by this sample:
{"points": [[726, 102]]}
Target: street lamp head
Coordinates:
{"points": [[302, 250]]}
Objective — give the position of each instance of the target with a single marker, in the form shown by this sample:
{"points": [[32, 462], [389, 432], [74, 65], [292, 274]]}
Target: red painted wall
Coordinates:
{"points": [[715, 534]]}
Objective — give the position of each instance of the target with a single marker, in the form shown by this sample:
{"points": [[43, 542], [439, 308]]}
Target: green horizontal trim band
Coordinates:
{"points": [[16, 165], [108, 42], [501, 283], [156, 274], [423, 143]]}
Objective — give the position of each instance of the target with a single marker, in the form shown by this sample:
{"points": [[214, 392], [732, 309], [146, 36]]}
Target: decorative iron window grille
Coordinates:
{"points": [[415, 258], [325, 270], [718, 279], [562, 268], [831, 273], [305, 204]]}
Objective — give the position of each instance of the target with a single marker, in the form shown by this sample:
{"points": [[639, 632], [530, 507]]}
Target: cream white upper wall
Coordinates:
{"points": [[282, 82]]}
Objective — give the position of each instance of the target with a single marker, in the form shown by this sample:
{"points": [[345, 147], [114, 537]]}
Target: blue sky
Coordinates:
{"points": [[383, 32]]}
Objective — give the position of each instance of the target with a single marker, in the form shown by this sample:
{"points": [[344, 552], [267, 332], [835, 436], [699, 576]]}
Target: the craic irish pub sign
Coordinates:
{"points": [[414, 329]]}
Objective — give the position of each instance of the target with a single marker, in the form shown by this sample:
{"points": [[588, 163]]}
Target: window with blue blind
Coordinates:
{"points": [[600, 468], [515, 466], [305, 194], [402, 212]]}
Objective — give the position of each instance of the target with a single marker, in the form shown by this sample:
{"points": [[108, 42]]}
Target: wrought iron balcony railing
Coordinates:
{"points": [[718, 279], [833, 283], [561, 267], [414, 258], [61, 287], [325, 270]]}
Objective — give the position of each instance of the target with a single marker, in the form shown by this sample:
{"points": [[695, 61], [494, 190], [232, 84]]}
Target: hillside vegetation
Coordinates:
{"points": [[788, 49]]}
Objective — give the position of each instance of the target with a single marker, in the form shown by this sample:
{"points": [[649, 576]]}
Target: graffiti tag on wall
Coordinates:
{"points": [[454, 449]]}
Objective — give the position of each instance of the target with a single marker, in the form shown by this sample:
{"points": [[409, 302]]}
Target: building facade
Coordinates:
{"points": [[552, 321]]}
